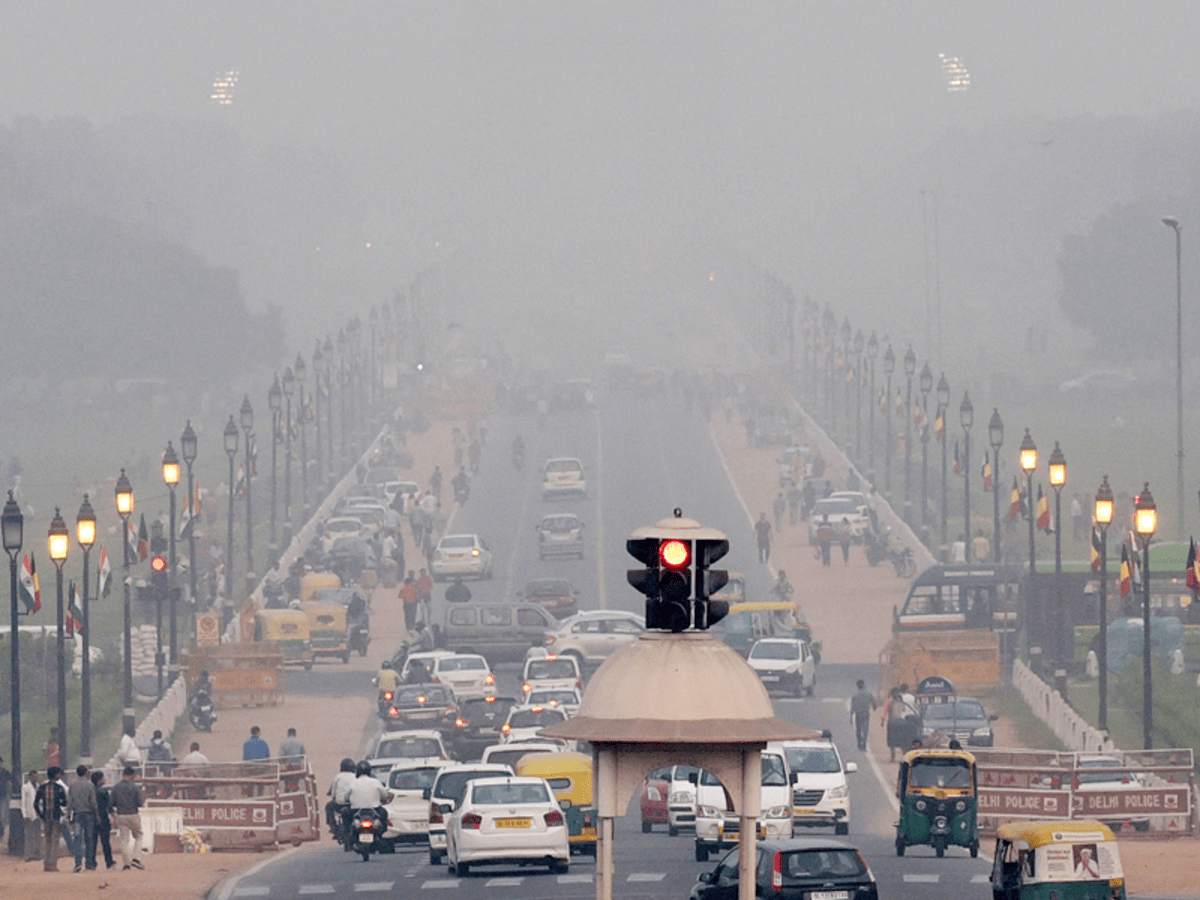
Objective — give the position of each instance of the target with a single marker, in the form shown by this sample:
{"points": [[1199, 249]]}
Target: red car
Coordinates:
{"points": [[557, 595], [654, 799]]}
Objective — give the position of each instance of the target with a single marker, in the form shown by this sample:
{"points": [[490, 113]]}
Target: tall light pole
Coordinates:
{"points": [[170, 473], [187, 444], [274, 402], [996, 439], [943, 402], [966, 415], [12, 528], [1103, 512], [230, 436], [246, 417], [301, 372], [289, 387], [1029, 458], [343, 391], [1174, 225], [1058, 477], [829, 326], [889, 366], [872, 352], [318, 372], [1145, 523], [846, 333], [859, 343], [85, 532], [124, 494], [327, 365], [925, 383], [58, 543], [910, 369]]}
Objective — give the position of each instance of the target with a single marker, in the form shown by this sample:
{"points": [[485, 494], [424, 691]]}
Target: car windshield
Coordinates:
{"points": [[484, 708], [352, 525], [553, 698], [812, 759], [462, 664], [421, 695], [834, 506], [548, 588], [550, 668], [960, 709], [774, 774], [500, 794], [450, 785], [564, 465], [412, 779], [560, 524], [775, 650], [807, 865], [348, 545], [456, 542], [408, 748], [528, 718], [682, 773], [940, 773]]}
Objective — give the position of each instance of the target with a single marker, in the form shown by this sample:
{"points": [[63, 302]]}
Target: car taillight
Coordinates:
{"points": [[553, 818], [435, 814], [777, 872], [490, 680], [393, 713], [505, 728], [525, 688], [472, 821], [388, 695], [550, 639], [578, 685], [460, 722]]}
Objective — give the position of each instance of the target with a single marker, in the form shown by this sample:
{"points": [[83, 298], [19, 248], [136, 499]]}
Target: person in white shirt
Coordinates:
{"points": [[367, 791], [194, 757], [33, 829], [337, 810], [128, 752]]}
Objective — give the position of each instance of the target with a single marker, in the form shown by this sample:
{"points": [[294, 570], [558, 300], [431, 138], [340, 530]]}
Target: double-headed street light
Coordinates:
{"points": [[910, 369], [327, 366], [966, 415], [859, 343], [1028, 456], [1058, 477], [289, 388], [12, 528], [1145, 523], [996, 439], [926, 385], [943, 404], [846, 334], [274, 403], [1103, 513], [58, 543], [318, 364], [889, 366], [872, 352], [187, 444], [124, 492], [301, 371], [230, 437], [170, 473], [85, 532]]}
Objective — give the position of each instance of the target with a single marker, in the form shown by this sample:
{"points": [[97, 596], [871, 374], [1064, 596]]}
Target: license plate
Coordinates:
{"points": [[803, 811], [367, 838], [769, 677], [513, 823], [830, 895]]}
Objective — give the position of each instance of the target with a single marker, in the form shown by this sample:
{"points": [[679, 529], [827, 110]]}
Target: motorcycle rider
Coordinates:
{"points": [[200, 704], [461, 483], [337, 810], [458, 592], [518, 451], [424, 639], [367, 792], [418, 673]]}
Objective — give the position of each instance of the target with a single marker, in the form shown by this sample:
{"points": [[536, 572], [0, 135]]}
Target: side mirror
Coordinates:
{"points": [[706, 877], [426, 793], [993, 717], [793, 778], [693, 778], [851, 768]]}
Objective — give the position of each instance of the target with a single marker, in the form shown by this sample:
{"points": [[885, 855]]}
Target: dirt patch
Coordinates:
{"points": [[168, 876]]}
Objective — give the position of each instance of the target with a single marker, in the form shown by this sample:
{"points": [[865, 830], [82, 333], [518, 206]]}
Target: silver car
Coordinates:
{"points": [[560, 535]]}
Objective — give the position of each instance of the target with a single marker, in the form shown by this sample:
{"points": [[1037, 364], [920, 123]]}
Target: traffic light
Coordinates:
{"points": [[158, 577], [676, 554], [709, 581]]}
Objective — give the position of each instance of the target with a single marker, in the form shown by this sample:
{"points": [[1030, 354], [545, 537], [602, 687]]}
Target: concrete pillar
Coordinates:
{"points": [[749, 809]]}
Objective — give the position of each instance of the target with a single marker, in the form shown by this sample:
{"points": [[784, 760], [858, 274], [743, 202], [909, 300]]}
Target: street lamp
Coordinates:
{"points": [[1029, 458], [996, 439], [124, 492], [1145, 523], [1174, 225], [344, 389], [318, 366], [289, 387], [966, 415], [187, 443], [12, 526], [889, 366], [170, 473], [859, 343], [327, 365], [301, 371], [1103, 514], [925, 383], [872, 352], [246, 418], [59, 542], [1058, 477], [910, 369], [943, 404], [274, 402], [85, 532], [846, 332], [230, 436]]}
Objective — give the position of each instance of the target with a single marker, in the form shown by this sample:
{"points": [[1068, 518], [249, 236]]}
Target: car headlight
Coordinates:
{"points": [[920, 804], [838, 793], [681, 798], [982, 732], [960, 806], [709, 812], [652, 793], [779, 812]]}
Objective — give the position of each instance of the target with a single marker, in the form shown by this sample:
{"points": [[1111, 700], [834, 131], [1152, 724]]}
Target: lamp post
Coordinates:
{"points": [[246, 418], [910, 369], [187, 444], [889, 366], [996, 439], [966, 415], [1145, 523], [343, 391], [289, 387], [846, 333], [1174, 225], [170, 473], [872, 352], [317, 370], [328, 367], [85, 532], [925, 383], [230, 436], [12, 525], [59, 542], [943, 404], [1103, 513], [1058, 477], [1029, 457], [301, 372], [124, 493], [274, 402], [859, 343]]}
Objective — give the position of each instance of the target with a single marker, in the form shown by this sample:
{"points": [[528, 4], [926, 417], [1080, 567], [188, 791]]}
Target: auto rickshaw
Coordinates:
{"points": [[288, 630], [936, 789], [570, 777], [749, 622], [315, 581], [1070, 860], [327, 629]]}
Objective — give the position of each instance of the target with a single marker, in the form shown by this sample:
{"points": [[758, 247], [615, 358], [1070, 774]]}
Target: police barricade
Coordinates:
{"points": [[241, 805], [1131, 791]]}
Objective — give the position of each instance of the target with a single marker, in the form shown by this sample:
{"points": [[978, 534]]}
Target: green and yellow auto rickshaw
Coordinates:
{"points": [[936, 789], [327, 629], [1066, 860], [288, 630], [570, 777]]}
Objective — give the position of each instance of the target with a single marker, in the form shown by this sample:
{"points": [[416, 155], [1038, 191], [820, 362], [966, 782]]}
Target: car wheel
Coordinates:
{"points": [[799, 685], [646, 827], [974, 849], [812, 687], [899, 847], [462, 870], [559, 866], [672, 831], [434, 857], [841, 828], [701, 853]]}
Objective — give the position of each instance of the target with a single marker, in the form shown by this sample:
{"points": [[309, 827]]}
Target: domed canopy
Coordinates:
{"points": [[668, 688]]}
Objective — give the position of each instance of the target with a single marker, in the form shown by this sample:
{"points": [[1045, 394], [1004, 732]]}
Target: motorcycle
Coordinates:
{"points": [[200, 711], [903, 561], [368, 829], [461, 493], [359, 637], [876, 546]]}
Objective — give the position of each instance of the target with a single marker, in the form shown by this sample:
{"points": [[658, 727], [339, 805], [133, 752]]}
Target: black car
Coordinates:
{"points": [[772, 431], [421, 706], [477, 725], [794, 869], [961, 718]]}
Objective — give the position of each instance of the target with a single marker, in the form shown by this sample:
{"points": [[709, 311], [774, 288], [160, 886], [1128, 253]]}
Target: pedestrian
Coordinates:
{"points": [[981, 548], [794, 496], [104, 819], [424, 595], [416, 521], [159, 749], [425, 641], [33, 830], [255, 747], [825, 539], [853, 482], [435, 482], [50, 754], [84, 812], [126, 805], [958, 550], [50, 806], [862, 704], [1077, 518], [762, 531], [779, 507], [291, 747], [845, 536], [409, 596], [128, 752], [458, 592], [194, 758], [808, 497], [783, 588]]}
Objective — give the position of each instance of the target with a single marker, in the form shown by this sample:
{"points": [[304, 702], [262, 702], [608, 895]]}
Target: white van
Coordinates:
{"points": [[717, 825]]}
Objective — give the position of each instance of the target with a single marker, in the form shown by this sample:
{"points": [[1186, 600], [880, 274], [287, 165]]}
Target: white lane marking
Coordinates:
{"points": [[599, 551], [737, 492], [575, 879], [231, 885], [910, 878], [436, 883], [316, 889], [646, 876], [510, 569], [251, 891], [367, 887], [980, 879], [841, 700], [883, 781], [504, 882]]}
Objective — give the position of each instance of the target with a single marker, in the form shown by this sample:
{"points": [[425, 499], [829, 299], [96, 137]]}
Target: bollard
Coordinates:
{"points": [[1035, 661]]}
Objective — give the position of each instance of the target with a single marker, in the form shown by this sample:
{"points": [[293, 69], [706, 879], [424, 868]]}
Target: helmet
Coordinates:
{"points": [[347, 765], [363, 768], [387, 664]]}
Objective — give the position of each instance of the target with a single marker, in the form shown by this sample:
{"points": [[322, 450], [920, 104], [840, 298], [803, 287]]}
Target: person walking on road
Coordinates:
{"points": [[862, 704], [424, 596], [409, 596], [794, 496], [825, 539], [762, 532], [33, 829], [435, 482], [255, 747], [458, 592], [291, 747], [84, 812], [126, 803], [104, 819], [50, 805], [845, 536], [783, 588], [779, 507]]}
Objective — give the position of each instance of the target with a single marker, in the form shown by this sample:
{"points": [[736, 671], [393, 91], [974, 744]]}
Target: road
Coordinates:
{"points": [[642, 459]]}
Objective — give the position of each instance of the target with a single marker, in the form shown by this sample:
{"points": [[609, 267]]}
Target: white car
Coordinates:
{"points": [[423, 747], [549, 673], [340, 527], [461, 554], [524, 723], [566, 700], [448, 788], [784, 664], [820, 792], [563, 477], [836, 508], [468, 675], [717, 826], [511, 754], [592, 636], [560, 534], [507, 820], [407, 807]]}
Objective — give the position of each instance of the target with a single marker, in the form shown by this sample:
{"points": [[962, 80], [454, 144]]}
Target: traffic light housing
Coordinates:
{"points": [[158, 577], [708, 581], [676, 555]]}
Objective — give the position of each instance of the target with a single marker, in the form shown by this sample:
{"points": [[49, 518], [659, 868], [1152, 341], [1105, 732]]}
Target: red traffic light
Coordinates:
{"points": [[675, 554], [158, 564]]}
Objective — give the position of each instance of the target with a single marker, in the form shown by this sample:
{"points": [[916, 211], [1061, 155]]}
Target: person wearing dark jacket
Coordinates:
{"points": [[126, 803], [50, 804], [103, 822], [84, 811]]}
